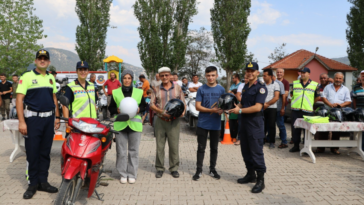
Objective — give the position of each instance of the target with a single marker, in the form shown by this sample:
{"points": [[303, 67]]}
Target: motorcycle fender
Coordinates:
{"points": [[74, 166], [93, 179]]}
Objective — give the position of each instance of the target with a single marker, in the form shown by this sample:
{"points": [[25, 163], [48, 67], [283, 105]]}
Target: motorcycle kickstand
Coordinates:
{"points": [[99, 196]]}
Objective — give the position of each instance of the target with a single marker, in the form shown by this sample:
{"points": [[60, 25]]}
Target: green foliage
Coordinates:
{"points": [[198, 53], [355, 34], [230, 29], [278, 53], [91, 34], [19, 32], [163, 32]]}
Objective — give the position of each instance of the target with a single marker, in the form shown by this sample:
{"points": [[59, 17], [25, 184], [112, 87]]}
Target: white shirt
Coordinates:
{"points": [[193, 85], [240, 88], [340, 96], [179, 83], [272, 88]]}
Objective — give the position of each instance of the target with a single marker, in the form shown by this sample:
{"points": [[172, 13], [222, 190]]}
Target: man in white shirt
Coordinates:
{"points": [[240, 88], [270, 106], [335, 95], [194, 85]]}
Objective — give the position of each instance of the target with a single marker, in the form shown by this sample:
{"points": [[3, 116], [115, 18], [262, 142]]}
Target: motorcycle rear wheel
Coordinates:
{"points": [[67, 191]]}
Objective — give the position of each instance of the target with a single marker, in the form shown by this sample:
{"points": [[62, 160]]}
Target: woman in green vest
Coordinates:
{"points": [[127, 142]]}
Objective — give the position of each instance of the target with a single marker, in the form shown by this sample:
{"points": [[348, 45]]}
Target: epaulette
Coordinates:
{"points": [[261, 82], [25, 72]]}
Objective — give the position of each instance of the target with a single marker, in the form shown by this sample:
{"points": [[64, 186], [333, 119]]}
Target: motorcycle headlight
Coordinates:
{"points": [[87, 127]]}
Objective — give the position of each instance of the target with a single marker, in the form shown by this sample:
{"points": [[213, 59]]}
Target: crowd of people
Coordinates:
{"points": [[261, 107]]}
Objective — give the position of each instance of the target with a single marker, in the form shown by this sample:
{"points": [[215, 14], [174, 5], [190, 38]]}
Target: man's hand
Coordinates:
{"points": [[106, 94], [235, 110], [165, 115], [23, 128], [183, 114], [282, 112], [336, 105], [217, 110], [1, 93], [266, 106], [69, 127], [57, 124]]}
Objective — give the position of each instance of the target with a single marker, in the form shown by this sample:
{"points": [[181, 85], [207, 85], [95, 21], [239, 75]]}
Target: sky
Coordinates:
{"points": [[301, 24]]}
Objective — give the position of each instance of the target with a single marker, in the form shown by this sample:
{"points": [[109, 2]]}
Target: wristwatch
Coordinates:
{"points": [[239, 111]]}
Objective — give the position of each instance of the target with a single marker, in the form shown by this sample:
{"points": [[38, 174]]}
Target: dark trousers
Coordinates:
{"points": [[38, 144], [296, 132], [251, 142], [222, 131], [325, 136], [270, 115], [202, 141], [233, 128]]}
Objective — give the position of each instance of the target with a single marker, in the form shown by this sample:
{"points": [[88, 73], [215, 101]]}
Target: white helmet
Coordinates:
{"points": [[128, 106]]}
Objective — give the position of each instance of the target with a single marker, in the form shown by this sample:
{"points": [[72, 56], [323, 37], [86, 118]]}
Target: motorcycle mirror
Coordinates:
{"points": [[64, 101], [122, 118]]}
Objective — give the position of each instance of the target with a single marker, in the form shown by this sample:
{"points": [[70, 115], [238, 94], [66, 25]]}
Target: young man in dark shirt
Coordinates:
{"points": [[5, 92]]}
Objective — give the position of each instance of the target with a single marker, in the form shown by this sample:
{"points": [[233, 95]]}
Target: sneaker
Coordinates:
{"points": [[123, 180], [271, 146], [131, 180], [214, 174], [197, 176]]}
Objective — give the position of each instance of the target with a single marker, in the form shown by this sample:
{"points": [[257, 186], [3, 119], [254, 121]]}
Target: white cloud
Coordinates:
{"points": [[121, 16], [58, 41], [263, 13], [59, 8], [130, 56], [285, 22]]}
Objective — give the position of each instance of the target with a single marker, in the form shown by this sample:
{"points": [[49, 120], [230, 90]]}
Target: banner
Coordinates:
{"points": [[101, 76]]}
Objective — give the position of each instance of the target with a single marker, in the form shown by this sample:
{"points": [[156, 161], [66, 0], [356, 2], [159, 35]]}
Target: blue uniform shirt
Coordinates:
{"points": [[255, 94], [208, 96], [38, 90]]}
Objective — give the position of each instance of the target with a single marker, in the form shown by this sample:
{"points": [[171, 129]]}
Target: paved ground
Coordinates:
{"points": [[290, 179]]}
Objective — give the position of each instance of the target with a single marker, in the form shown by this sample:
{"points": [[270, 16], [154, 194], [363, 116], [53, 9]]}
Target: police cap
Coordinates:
{"points": [[82, 64], [42, 52], [305, 70], [252, 66]]}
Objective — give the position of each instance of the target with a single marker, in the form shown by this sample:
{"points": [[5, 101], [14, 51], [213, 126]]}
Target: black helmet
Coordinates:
{"points": [[322, 111], [336, 114], [348, 113], [174, 108], [227, 101], [359, 115]]}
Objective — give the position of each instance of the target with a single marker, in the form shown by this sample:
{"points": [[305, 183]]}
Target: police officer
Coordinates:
{"points": [[252, 127], [81, 94], [37, 122]]}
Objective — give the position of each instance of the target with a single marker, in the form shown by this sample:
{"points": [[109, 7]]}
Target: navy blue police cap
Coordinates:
{"points": [[252, 66], [82, 64], [305, 70], [42, 52]]}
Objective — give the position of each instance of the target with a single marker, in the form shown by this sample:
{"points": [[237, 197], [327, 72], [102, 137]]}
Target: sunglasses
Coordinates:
{"points": [[43, 58]]}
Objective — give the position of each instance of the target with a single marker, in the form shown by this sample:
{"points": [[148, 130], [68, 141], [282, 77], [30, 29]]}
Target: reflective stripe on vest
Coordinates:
{"points": [[303, 98], [135, 123], [84, 101]]}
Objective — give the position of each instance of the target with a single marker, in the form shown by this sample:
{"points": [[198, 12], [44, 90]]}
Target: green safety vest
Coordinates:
{"points": [[134, 123], [303, 98], [84, 100]]}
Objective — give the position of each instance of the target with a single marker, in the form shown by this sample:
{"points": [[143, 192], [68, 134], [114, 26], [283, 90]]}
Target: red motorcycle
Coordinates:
{"points": [[83, 155]]}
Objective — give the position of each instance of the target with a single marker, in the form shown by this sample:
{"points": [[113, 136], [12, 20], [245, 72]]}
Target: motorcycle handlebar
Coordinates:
{"points": [[115, 132], [62, 118]]}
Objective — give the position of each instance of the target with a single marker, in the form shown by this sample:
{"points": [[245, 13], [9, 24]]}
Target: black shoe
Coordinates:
{"points": [[30, 192], [259, 186], [214, 174], [295, 148], [197, 176], [175, 174], [250, 177], [47, 188], [159, 174]]}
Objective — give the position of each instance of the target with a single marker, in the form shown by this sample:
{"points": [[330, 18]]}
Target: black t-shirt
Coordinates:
{"points": [[5, 87]]}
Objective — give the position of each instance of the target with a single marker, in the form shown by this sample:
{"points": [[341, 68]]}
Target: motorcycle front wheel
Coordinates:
{"points": [[68, 192]]}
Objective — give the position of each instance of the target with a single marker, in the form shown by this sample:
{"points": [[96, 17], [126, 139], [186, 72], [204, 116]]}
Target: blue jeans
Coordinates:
{"points": [[282, 128]]}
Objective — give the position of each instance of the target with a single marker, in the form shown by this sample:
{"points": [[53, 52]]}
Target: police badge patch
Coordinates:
{"points": [[51, 81], [34, 81], [262, 90]]}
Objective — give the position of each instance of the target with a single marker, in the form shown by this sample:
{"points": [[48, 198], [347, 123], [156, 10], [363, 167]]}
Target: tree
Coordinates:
{"points": [[278, 53], [230, 29], [198, 53], [355, 34], [91, 34], [163, 32], [19, 32]]}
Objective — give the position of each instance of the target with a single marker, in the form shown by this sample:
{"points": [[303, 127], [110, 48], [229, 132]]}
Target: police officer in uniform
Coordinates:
{"points": [[252, 127], [81, 94], [37, 122]]}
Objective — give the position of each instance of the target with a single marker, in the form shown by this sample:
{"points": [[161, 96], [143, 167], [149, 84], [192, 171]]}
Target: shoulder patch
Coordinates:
{"points": [[262, 90], [25, 72]]}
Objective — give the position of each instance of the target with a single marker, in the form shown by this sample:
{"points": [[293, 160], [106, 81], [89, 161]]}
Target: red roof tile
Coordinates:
{"points": [[301, 57]]}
